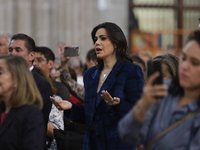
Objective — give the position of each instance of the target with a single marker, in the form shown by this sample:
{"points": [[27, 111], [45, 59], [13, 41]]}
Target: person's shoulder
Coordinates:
{"points": [[58, 84], [29, 114], [40, 80], [30, 110], [131, 67], [169, 98], [29, 107], [38, 76], [90, 70]]}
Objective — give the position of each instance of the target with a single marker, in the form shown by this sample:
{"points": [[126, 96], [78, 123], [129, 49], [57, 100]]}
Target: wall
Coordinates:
{"points": [[51, 22]]}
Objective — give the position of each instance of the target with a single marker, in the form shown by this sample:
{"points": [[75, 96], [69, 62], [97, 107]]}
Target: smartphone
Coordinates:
{"points": [[71, 51], [155, 66]]}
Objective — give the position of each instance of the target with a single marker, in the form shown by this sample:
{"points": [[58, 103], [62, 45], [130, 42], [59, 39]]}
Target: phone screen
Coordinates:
{"points": [[155, 66], [71, 51]]}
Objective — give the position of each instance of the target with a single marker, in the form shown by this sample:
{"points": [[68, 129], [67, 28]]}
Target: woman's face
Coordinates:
{"points": [[6, 81], [189, 66], [103, 45]]}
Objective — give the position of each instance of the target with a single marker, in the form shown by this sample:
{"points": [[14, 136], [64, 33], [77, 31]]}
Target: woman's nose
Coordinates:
{"points": [[97, 42], [185, 65]]}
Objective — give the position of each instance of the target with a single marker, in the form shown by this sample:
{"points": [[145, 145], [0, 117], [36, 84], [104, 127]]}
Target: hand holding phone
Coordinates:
{"points": [[155, 66], [71, 51]]}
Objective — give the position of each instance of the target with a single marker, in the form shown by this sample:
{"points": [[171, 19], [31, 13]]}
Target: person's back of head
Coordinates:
{"points": [[137, 60], [90, 53], [145, 56], [89, 62], [171, 62], [76, 64], [73, 74]]}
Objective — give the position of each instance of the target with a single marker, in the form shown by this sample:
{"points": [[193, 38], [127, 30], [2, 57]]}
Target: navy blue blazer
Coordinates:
{"points": [[22, 129], [45, 91], [124, 81]]}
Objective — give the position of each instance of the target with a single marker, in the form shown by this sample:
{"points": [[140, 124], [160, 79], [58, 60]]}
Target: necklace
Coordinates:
{"points": [[104, 76]]}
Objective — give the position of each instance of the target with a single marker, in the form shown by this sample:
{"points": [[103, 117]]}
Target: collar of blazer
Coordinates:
{"points": [[107, 85]]}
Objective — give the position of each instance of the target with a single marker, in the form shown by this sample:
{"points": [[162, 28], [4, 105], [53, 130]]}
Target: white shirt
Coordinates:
{"points": [[31, 68]]}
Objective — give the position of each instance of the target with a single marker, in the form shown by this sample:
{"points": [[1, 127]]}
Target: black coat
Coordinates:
{"points": [[22, 129], [45, 91]]}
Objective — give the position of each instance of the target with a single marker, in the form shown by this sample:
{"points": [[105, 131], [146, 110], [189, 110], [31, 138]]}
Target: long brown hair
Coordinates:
{"points": [[25, 91], [43, 74]]}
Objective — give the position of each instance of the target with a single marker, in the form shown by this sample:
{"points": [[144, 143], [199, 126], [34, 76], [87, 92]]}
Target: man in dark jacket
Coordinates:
{"points": [[24, 46]]}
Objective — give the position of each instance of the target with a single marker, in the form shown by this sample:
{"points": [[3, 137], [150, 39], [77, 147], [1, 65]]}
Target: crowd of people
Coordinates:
{"points": [[113, 96]]}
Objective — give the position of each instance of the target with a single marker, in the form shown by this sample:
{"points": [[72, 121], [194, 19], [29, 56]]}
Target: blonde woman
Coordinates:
{"points": [[21, 119]]}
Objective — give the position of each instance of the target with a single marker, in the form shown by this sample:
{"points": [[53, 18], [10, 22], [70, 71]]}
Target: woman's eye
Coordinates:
{"points": [[195, 63], [103, 38]]}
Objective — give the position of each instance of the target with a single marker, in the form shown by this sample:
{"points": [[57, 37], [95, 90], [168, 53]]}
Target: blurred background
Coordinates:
{"points": [[149, 25]]}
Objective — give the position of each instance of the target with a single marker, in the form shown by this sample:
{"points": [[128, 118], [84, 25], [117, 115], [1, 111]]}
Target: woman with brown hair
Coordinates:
{"points": [[21, 119], [172, 122]]}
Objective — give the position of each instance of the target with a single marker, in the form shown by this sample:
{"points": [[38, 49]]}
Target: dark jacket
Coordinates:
{"points": [[62, 90], [22, 129], [124, 81], [45, 91]]}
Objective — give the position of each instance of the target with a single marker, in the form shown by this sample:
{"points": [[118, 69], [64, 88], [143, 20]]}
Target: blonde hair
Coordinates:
{"points": [[25, 90]]}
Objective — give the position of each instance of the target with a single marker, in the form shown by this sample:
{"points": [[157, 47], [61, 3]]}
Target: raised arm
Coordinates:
{"points": [[75, 89], [136, 123]]}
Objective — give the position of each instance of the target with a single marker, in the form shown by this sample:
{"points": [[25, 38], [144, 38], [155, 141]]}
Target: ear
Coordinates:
{"points": [[31, 56], [50, 64]]}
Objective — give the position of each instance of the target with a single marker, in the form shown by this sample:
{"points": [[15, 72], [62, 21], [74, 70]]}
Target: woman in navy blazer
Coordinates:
{"points": [[112, 87], [21, 120]]}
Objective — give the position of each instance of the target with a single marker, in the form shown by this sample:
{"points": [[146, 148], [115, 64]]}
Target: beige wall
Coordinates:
{"points": [[68, 21]]}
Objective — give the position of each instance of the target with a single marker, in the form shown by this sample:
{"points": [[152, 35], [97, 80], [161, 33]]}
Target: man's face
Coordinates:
{"points": [[41, 61], [17, 47], [3, 45]]}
